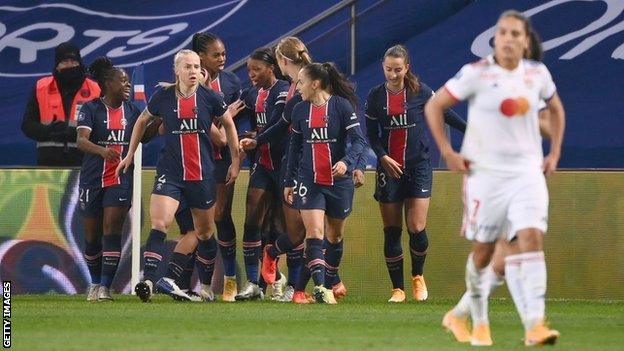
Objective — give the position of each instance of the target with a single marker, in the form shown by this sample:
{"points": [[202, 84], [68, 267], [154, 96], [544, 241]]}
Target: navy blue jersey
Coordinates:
{"points": [[277, 130], [268, 105], [402, 122], [187, 154], [110, 128], [227, 85], [321, 134]]}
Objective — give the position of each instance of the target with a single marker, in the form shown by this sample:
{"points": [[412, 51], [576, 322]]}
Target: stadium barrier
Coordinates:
{"points": [[41, 236]]}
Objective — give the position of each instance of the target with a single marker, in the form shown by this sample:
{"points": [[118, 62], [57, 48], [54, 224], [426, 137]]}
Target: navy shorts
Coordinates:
{"points": [[197, 194], [416, 182], [336, 200], [262, 178], [221, 170], [92, 201]]}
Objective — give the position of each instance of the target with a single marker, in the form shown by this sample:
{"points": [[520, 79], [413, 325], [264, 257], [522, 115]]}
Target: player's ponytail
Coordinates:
{"points": [[102, 70], [331, 80], [412, 84], [293, 50]]}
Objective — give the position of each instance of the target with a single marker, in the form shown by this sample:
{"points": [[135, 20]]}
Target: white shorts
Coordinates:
{"points": [[500, 205]]}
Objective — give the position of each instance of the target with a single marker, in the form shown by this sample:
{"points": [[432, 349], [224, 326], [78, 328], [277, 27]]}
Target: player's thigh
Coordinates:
{"points": [[486, 200]]}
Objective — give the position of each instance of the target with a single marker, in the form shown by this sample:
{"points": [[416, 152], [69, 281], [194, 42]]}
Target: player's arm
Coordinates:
{"points": [[85, 145], [434, 113], [452, 119], [232, 138], [354, 135], [217, 135], [137, 134], [556, 128], [294, 156]]}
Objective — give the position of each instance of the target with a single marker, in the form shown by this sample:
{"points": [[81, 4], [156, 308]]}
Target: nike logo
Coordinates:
{"points": [[122, 199], [347, 210], [424, 190], [209, 202]]}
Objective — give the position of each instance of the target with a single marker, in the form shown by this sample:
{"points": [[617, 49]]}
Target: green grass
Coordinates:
{"points": [[56, 322]]}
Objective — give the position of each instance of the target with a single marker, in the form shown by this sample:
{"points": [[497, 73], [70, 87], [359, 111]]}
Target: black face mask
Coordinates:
{"points": [[70, 77]]}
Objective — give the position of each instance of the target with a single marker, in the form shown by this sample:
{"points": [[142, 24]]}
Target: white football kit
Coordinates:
{"points": [[505, 190]]}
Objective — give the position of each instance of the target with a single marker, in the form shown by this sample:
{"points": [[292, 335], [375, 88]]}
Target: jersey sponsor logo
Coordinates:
{"points": [[128, 39], [399, 120], [189, 125], [511, 107], [319, 134], [261, 119], [595, 32], [116, 136]]}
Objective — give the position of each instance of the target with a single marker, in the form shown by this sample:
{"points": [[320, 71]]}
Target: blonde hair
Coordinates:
{"points": [[176, 61], [293, 50]]}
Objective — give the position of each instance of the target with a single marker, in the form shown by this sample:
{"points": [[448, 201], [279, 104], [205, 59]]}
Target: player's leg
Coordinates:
{"points": [[529, 223], [91, 211], [417, 184], [392, 218], [257, 202], [114, 218], [226, 235]]}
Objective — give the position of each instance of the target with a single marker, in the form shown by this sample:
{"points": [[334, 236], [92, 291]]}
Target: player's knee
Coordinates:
{"points": [[530, 240], [481, 257], [416, 225], [314, 233], [204, 232], [160, 225]]}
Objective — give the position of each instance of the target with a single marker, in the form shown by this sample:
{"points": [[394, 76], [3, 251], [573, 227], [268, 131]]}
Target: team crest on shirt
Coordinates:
{"points": [[124, 122], [195, 110], [326, 119], [81, 117]]}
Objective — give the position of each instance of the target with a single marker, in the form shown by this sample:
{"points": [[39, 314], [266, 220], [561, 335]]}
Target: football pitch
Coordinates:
{"points": [[59, 322]]}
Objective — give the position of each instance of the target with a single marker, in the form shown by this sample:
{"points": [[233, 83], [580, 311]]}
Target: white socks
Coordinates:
{"points": [[526, 278], [478, 292], [514, 283], [490, 281]]}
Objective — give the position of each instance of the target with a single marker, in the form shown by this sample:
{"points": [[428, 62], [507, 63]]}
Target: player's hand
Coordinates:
{"points": [[247, 144], [236, 107], [456, 162], [232, 172], [339, 169], [550, 164], [110, 154], [358, 178], [124, 165], [392, 167], [289, 194]]}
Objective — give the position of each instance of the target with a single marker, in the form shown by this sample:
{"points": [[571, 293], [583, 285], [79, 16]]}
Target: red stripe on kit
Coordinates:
{"points": [[397, 138], [191, 157], [216, 86], [116, 124], [321, 154]]}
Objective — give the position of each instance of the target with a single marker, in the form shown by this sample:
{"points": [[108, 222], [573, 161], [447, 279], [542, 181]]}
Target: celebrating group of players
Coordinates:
{"points": [[307, 152]]}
